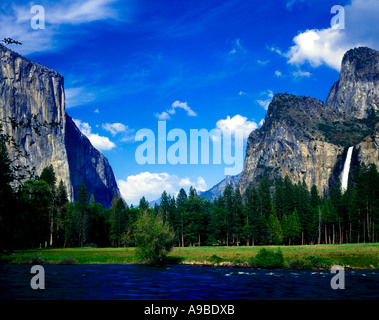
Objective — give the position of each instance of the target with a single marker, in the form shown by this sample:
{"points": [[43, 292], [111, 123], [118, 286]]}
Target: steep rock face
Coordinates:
{"points": [[290, 143], [89, 164], [306, 139], [27, 89], [368, 149], [357, 90]]}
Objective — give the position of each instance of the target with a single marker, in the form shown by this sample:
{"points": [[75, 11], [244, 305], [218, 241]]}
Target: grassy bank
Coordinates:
{"points": [[357, 256]]}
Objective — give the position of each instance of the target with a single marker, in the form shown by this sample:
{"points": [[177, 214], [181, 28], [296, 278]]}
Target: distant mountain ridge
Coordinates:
{"points": [[216, 191]]}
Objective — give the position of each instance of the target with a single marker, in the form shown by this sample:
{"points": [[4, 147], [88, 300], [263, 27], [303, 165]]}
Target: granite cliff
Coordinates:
{"points": [[31, 91], [89, 164], [308, 140], [356, 93]]}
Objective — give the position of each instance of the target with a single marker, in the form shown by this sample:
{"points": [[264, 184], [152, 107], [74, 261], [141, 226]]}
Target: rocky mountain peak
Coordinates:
{"points": [[307, 140], [357, 90], [286, 107], [362, 61]]}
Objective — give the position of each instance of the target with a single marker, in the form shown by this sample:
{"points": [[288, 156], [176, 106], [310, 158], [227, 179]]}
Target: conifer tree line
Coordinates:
{"points": [[38, 214], [278, 213]]}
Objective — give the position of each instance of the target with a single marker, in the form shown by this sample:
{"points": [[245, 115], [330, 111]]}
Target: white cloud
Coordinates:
{"points": [[261, 123], [238, 122], [265, 102], [78, 96], [129, 136], [237, 47], [199, 185], [165, 115], [97, 111], [184, 106], [151, 185], [115, 128], [71, 12], [318, 47], [263, 62], [275, 49], [241, 93], [299, 74], [278, 74], [327, 46], [84, 127], [99, 142], [15, 21]]}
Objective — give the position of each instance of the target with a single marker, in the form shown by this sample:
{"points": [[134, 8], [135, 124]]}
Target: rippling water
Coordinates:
{"points": [[182, 282]]}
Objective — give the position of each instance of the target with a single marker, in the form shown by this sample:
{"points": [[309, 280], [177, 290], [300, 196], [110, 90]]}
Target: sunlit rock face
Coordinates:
{"points": [[28, 89], [308, 140], [356, 92]]}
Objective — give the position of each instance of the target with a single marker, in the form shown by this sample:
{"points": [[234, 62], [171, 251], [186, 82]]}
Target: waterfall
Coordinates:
{"points": [[346, 169]]}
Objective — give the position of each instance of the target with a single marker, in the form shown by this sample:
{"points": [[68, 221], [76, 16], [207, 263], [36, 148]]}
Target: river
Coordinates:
{"points": [[182, 282]]}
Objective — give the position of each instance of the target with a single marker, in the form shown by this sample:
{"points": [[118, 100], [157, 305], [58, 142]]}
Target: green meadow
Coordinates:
{"points": [[354, 256]]}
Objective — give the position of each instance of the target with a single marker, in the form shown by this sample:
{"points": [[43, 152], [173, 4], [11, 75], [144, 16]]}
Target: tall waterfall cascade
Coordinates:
{"points": [[346, 169]]}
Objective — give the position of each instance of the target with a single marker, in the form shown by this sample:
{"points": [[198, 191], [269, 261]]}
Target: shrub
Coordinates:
{"points": [[268, 259], [251, 262], [298, 264], [215, 259], [68, 260], [37, 260], [319, 262], [154, 238]]}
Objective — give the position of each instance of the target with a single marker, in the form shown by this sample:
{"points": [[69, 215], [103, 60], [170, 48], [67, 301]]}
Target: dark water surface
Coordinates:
{"points": [[182, 282]]}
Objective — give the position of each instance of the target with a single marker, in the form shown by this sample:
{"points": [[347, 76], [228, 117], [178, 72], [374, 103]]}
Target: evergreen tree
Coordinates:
{"points": [[48, 175], [285, 228], [6, 200], [265, 202], [315, 198], [99, 230], [81, 211], [228, 201], [302, 203], [247, 229], [117, 221], [255, 217], [194, 218], [165, 206], [289, 196], [181, 201], [61, 205], [279, 198], [294, 227], [143, 205], [33, 224], [238, 210], [275, 230], [6, 175]]}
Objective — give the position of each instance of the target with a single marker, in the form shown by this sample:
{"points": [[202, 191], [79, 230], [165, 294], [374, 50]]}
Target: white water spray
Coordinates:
{"points": [[346, 169]]}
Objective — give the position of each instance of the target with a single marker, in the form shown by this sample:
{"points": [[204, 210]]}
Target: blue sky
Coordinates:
{"points": [[212, 64]]}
